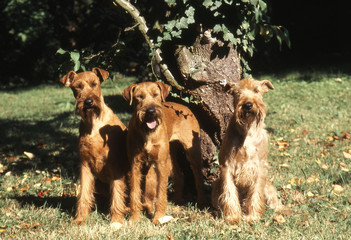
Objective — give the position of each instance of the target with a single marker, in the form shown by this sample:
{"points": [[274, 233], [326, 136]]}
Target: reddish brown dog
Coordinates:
{"points": [[154, 124], [102, 144]]}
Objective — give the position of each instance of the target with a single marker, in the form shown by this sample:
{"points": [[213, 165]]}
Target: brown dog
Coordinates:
{"points": [[243, 186], [102, 144], [153, 126]]}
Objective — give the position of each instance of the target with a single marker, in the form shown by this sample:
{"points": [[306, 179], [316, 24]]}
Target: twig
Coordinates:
{"points": [[126, 5]]}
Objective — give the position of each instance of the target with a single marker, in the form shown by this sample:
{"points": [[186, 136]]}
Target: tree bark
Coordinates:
{"points": [[206, 67]]}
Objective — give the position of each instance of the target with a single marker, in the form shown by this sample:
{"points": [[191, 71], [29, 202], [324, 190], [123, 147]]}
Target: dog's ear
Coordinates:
{"points": [[164, 90], [102, 74], [68, 78], [230, 87], [128, 93], [266, 85]]}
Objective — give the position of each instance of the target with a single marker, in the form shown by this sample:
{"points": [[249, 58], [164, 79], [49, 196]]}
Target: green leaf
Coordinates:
{"points": [[76, 66], [207, 3], [263, 5], [167, 36], [170, 25], [61, 51], [75, 56], [217, 28], [183, 23]]}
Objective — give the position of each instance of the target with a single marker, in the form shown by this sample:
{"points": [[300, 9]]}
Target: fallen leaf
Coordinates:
{"points": [[8, 173], [338, 188], [310, 194], [29, 155], [41, 194], [170, 237], [282, 144], [338, 80], [345, 169], [305, 131], [279, 219], [346, 155], [312, 179], [2, 229], [56, 178], [324, 166], [284, 165]]}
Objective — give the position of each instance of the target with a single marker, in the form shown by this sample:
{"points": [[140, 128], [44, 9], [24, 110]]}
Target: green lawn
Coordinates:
{"points": [[309, 122]]}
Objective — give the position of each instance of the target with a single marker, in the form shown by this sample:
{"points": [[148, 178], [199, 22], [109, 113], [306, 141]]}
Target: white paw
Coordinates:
{"points": [[115, 226], [165, 219]]}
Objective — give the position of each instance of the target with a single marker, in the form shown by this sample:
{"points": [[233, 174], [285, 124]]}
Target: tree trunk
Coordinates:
{"points": [[206, 67]]}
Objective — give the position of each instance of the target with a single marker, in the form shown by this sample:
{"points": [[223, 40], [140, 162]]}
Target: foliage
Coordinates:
{"points": [[310, 155], [238, 22], [33, 31]]}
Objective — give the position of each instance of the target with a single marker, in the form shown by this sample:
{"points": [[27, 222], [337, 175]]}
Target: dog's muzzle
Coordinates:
{"points": [[247, 106], [88, 103], [150, 118]]}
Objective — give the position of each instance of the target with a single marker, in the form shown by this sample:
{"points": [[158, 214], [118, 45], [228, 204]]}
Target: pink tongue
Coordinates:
{"points": [[151, 125]]}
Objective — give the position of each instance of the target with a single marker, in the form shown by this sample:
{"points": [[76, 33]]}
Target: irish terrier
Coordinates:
{"points": [[243, 186], [154, 124], [102, 144]]}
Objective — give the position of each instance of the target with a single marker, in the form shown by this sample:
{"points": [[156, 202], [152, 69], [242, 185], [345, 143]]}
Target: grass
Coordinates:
{"points": [[309, 122]]}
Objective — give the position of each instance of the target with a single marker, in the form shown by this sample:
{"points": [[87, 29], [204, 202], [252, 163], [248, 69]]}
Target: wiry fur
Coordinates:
{"points": [[102, 144], [148, 147], [243, 187]]}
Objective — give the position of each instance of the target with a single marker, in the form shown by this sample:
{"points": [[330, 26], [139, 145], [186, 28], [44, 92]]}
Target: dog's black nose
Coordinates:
{"points": [[88, 102], [151, 111], [247, 106]]}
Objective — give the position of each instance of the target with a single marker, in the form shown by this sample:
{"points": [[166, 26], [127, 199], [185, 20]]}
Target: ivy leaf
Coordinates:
{"points": [[76, 66], [263, 5], [61, 51], [170, 25], [182, 24], [75, 56], [167, 36], [217, 28], [207, 3]]}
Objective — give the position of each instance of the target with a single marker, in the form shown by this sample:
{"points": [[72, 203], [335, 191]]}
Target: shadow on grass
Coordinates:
{"points": [[51, 141]]}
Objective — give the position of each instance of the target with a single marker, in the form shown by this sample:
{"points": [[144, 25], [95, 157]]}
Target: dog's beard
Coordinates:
{"points": [[88, 114], [245, 119]]}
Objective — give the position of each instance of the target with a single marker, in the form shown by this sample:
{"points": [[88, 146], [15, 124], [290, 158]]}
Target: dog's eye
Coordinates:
{"points": [[155, 95], [93, 84], [140, 97], [80, 86], [256, 90]]}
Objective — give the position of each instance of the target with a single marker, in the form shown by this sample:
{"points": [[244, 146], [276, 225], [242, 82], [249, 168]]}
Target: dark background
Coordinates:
{"points": [[319, 34]]}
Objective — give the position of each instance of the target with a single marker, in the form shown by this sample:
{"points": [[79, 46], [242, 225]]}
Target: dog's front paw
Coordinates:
{"points": [[135, 217], [251, 218], [79, 220], [233, 219]]}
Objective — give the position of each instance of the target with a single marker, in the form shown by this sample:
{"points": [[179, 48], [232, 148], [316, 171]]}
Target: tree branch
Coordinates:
{"points": [[126, 5]]}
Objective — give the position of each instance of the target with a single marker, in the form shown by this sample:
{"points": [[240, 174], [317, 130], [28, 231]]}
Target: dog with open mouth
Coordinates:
{"points": [[154, 124]]}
